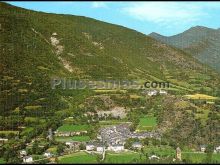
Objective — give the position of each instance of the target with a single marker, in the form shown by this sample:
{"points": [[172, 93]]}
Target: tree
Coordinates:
{"points": [[60, 148]]}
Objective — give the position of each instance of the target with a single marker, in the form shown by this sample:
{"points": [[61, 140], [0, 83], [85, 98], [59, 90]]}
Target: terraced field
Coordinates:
{"points": [[80, 157], [147, 123]]}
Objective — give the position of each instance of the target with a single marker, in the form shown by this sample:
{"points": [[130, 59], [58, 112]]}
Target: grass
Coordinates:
{"points": [[160, 151], [199, 157], [203, 115], [33, 107], [200, 97], [79, 157], [74, 138], [8, 132], [2, 161], [52, 149], [125, 157], [69, 127], [134, 96], [147, 123], [27, 130]]}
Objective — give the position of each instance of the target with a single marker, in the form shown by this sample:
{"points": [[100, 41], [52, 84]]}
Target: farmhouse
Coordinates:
{"points": [[137, 145], [202, 148], [23, 153], [47, 154], [73, 146], [152, 92], [90, 146], [100, 148], [27, 159], [163, 92], [217, 149], [116, 148]]}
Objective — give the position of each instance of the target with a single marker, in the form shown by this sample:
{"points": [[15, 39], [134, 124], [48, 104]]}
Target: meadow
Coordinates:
{"points": [[69, 127], [74, 138], [79, 157], [124, 157], [200, 157], [147, 123]]}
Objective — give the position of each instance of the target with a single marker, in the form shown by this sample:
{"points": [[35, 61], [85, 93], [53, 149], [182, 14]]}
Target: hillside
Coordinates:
{"points": [[202, 42], [36, 46]]}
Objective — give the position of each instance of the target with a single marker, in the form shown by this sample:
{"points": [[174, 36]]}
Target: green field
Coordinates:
{"points": [[200, 97], [69, 127], [147, 123], [160, 151], [74, 138], [9, 132], [199, 157], [79, 157], [2, 161], [125, 157]]}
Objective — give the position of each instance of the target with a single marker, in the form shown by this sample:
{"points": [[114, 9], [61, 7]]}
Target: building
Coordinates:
{"points": [[90, 146], [137, 145], [47, 154], [50, 134], [163, 92], [152, 93], [27, 159], [217, 149], [202, 148], [3, 140], [153, 157], [116, 148], [23, 153], [178, 154], [69, 133], [73, 146], [100, 148]]}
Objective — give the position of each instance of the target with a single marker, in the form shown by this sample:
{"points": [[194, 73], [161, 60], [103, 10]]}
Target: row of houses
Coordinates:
{"points": [[93, 146], [69, 133], [203, 149], [154, 92]]}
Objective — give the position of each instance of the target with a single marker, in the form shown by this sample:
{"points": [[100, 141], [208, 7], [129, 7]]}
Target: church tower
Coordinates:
{"points": [[178, 154]]}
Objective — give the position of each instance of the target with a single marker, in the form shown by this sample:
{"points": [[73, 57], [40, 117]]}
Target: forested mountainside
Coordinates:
{"points": [[202, 42]]}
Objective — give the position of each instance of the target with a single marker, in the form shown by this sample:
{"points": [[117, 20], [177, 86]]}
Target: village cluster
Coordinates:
{"points": [[110, 138]]}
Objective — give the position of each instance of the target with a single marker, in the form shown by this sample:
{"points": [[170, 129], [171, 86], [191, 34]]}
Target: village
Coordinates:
{"points": [[114, 136], [109, 139]]}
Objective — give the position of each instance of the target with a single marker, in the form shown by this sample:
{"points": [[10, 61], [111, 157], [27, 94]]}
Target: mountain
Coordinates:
{"points": [[202, 42], [36, 46]]}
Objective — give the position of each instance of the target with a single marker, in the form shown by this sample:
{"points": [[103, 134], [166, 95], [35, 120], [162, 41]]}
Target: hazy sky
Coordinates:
{"points": [[167, 18]]}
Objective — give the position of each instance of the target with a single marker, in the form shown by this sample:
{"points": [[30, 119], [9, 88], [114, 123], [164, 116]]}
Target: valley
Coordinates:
{"points": [[46, 123]]}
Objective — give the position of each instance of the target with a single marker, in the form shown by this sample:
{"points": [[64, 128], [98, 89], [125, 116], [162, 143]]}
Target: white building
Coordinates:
{"points": [[116, 148], [137, 145], [47, 154], [153, 157], [163, 92], [152, 93], [100, 148], [90, 147], [3, 140], [202, 148], [217, 149], [23, 153], [28, 159]]}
